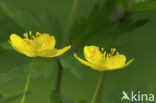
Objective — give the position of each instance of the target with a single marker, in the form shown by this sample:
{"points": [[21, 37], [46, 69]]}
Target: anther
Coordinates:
{"points": [[25, 35], [102, 49], [112, 51], [30, 33], [37, 34], [104, 54], [117, 53]]}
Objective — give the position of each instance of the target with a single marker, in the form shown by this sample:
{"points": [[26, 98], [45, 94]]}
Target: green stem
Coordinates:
{"points": [[97, 94], [71, 19], [59, 75], [60, 69], [28, 80]]}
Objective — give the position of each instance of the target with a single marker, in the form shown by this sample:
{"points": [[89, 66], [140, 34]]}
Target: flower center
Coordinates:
{"points": [[32, 41]]}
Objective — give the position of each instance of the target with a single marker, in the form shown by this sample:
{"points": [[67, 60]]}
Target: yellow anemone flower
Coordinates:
{"points": [[42, 45], [102, 61]]}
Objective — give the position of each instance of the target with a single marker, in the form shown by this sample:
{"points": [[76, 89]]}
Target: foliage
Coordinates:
{"points": [[103, 26]]}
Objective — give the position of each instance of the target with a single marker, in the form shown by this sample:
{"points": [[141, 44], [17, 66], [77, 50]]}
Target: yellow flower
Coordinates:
{"points": [[42, 45], [102, 61]]}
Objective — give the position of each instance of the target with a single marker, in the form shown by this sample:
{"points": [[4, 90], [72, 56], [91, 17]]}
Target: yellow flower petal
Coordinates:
{"points": [[53, 41], [92, 54], [61, 51], [18, 44], [99, 67], [82, 61], [15, 47], [115, 62], [47, 53], [95, 67], [128, 63]]}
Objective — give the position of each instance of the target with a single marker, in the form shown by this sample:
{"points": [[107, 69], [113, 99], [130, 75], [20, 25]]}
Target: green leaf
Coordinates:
{"points": [[21, 71], [45, 21], [50, 23], [70, 63], [128, 26], [145, 6], [111, 38], [10, 99], [57, 98], [66, 100], [101, 27], [123, 5], [13, 74], [7, 26], [45, 67], [6, 45], [97, 22], [21, 17], [110, 98]]}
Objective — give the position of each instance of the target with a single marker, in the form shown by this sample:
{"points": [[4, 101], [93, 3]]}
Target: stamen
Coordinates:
{"points": [[30, 33], [26, 35], [117, 53], [107, 56], [104, 55], [102, 49], [38, 34], [112, 51], [33, 36]]}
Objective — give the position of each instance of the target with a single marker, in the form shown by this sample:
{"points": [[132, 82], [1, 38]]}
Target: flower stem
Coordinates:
{"points": [[59, 76], [60, 69], [28, 80], [97, 94]]}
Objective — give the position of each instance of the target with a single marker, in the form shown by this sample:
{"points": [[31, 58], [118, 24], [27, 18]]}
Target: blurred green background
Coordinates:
{"points": [[127, 25]]}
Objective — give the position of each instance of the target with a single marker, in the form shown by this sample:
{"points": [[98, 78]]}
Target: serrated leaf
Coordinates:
{"points": [[50, 23], [97, 21], [7, 25], [22, 18], [70, 63], [110, 98], [145, 6], [13, 74], [128, 26], [43, 67], [123, 5], [100, 27], [111, 39], [66, 100], [45, 21], [10, 99]]}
